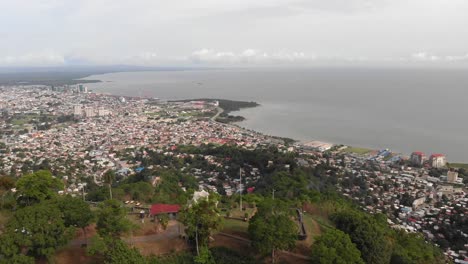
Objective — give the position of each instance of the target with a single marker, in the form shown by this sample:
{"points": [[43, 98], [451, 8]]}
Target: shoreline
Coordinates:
{"points": [[235, 120], [227, 107]]}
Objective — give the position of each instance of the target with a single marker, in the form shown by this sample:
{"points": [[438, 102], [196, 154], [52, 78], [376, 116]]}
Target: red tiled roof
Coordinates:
{"points": [[418, 153], [164, 208], [437, 155]]}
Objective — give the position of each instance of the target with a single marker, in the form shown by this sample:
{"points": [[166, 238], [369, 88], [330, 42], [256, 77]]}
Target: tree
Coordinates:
{"points": [[369, 235], [272, 230], [200, 219], [335, 247], [115, 251], [38, 228], [75, 212], [6, 183], [37, 187], [98, 194], [10, 252], [111, 219], [163, 220], [109, 177], [205, 256], [412, 248]]}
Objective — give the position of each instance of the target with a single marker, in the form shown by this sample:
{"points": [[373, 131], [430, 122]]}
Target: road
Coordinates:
{"points": [[219, 112]]}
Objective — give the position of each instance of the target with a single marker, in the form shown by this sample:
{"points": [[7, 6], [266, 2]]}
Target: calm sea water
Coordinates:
{"points": [[401, 109]]}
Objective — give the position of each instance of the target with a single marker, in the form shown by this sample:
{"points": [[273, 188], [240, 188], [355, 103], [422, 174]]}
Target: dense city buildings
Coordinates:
{"points": [[418, 158], [79, 135]]}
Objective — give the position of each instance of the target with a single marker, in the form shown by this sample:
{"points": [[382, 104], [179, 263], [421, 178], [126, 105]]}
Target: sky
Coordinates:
{"points": [[235, 32]]}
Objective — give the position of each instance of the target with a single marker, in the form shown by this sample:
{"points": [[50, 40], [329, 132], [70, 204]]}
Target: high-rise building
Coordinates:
{"points": [[103, 112], [418, 158], [89, 112], [82, 88], [437, 160], [452, 176], [77, 110]]}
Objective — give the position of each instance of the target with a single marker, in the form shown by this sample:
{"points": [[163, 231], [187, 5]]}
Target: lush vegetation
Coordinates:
{"points": [[44, 221], [201, 219], [227, 105], [272, 229], [335, 247], [220, 255]]}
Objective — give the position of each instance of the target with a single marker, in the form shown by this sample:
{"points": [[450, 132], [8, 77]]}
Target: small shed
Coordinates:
{"points": [[170, 209]]}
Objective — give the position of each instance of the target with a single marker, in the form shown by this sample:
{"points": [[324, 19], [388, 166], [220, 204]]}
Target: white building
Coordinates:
{"points": [[418, 202], [89, 112], [103, 112], [452, 176], [77, 110], [438, 160]]}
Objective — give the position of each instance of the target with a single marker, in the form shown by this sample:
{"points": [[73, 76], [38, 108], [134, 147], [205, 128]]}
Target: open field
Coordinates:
{"points": [[74, 255], [459, 165], [162, 247], [235, 212], [235, 226], [357, 150], [146, 228]]}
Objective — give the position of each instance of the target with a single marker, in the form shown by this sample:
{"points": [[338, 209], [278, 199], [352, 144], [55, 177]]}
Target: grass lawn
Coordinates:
{"points": [[313, 228], [459, 165], [325, 224], [4, 217], [23, 119], [235, 225], [235, 212], [360, 151]]}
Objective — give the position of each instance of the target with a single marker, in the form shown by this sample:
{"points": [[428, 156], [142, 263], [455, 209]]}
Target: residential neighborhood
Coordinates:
{"points": [[79, 135]]}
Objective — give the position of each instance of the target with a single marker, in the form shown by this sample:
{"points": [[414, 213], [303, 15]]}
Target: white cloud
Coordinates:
{"points": [[144, 58], [428, 57], [423, 56], [33, 59], [248, 56], [283, 31]]}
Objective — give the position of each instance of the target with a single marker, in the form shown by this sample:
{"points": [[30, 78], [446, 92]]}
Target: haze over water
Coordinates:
{"points": [[401, 109]]}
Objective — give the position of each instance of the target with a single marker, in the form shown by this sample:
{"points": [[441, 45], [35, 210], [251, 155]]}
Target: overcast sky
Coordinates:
{"points": [[234, 32]]}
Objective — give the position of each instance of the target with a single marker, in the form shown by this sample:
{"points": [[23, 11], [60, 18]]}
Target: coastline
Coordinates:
{"points": [[237, 119], [227, 107], [233, 106]]}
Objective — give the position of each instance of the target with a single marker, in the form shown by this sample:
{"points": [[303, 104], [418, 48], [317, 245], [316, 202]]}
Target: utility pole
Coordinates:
{"points": [[273, 204], [196, 239], [240, 187]]}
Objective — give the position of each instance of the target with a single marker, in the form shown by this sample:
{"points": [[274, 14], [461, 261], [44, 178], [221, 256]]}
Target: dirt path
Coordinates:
{"points": [[245, 240], [171, 232]]}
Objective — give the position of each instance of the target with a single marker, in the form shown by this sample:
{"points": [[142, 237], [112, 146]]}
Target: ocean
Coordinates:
{"points": [[401, 109]]}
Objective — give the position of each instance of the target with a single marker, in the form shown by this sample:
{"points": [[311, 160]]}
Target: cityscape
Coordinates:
{"points": [[79, 135], [234, 132]]}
